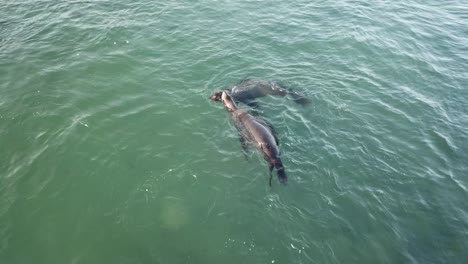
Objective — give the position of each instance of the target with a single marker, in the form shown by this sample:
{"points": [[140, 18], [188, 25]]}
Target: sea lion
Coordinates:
{"points": [[253, 130], [249, 89]]}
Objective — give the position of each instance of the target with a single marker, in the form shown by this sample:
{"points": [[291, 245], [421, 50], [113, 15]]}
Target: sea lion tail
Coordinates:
{"points": [[298, 98], [281, 173]]}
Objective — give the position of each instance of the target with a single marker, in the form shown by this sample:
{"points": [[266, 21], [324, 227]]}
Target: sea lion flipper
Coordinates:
{"points": [[283, 178], [244, 146], [271, 172], [299, 98]]}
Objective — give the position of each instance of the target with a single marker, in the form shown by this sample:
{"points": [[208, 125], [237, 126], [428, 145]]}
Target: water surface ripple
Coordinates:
{"points": [[110, 151]]}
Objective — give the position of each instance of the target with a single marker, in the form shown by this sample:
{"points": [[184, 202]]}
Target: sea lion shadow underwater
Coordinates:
{"points": [[255, 131], [248, 90]]}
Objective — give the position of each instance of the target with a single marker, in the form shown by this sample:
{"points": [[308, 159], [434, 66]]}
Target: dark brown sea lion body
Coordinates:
{"points": [[248, 90], [253, 130]]}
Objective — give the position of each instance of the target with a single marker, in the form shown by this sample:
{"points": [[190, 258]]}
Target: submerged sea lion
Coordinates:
{"points": [[249, 89], [255, 131]]}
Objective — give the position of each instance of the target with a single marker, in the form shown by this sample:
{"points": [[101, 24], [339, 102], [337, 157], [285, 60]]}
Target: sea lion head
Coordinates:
{"points": [[228, 102], [216, 96]]}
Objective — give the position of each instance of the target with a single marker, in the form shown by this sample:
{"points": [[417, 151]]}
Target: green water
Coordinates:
{"points": [[110, 151]]}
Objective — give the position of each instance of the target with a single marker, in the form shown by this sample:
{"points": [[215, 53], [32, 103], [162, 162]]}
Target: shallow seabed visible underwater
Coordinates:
{"points": [[111, 152]]}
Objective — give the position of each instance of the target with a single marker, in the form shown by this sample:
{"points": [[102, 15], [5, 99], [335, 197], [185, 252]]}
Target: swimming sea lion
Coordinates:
{"points": [[249, 89], [253, 130]]}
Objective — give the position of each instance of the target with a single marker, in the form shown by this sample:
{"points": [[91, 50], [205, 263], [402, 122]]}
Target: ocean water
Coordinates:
{"points": [[110, 151]]}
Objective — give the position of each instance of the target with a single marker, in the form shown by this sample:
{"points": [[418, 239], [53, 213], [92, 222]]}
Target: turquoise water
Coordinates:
{"points": [[110, 151]]}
